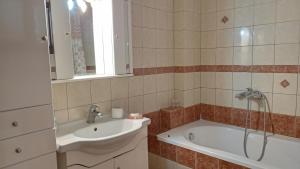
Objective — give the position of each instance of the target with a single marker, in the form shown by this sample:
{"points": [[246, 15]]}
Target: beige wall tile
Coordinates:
{"points": [[162, 82], [61, 116], [150, 103], [100, 90], [224, 80], [224, 56], [230, 16], [208, 79], [208, 96], [225, 4], [208, 6], [265, 13], [79, 93], [262, 82], [224, 98], [243, 16], [242, 55], [292, 80], [287, 54], [288, 32], [78, 113], [136, 86], [150, 84], [243, 3], [288, 10], [163, 99], [264, 34], [241, 80], [208, 56], [59, 96], [136, 104], [263, 55], [119, 88], [225, 38], [284, 104], [243, 36]]}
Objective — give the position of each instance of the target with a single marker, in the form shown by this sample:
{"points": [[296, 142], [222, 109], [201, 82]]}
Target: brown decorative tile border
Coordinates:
{"points": [[218, 68], [280, 123], [193, 159]]}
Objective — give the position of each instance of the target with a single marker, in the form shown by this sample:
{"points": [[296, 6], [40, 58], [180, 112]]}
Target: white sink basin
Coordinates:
{"points": [[108, 129], [78, 134]]}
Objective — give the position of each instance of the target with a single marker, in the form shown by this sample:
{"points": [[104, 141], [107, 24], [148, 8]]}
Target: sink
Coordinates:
{"points": [[107, 133], [108, 129]]}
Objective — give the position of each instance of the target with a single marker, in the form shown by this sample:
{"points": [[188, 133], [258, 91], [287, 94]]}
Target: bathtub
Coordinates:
{"points": [[225, 142]]}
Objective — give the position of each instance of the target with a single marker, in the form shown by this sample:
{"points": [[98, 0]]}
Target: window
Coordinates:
{"points": [[91, 37]]}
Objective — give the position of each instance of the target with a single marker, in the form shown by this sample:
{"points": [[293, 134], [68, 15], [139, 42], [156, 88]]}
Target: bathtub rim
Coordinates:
{"points": [[177, 138]]}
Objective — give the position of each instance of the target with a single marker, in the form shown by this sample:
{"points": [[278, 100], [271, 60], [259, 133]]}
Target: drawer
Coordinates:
{"points": [[43, 162], [23, 121], [26, 147]]}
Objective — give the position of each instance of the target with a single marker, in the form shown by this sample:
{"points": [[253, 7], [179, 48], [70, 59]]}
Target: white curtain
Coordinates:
{"points": [[78, 51]]}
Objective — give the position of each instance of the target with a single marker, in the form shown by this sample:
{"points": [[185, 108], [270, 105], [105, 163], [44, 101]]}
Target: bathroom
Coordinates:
{"points": [[149, 84]]}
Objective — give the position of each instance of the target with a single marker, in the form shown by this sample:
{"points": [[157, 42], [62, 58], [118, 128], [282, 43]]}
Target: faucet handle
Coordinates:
{"points": [[94, 109]]}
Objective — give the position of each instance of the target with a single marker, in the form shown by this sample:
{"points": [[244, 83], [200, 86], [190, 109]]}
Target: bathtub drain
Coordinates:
{"points": [[191, 136]]}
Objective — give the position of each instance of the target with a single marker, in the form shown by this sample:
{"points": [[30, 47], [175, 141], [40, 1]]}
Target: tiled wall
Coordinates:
{"points": [[203, 51], [258, 46], [187, 50], [152, 48]]}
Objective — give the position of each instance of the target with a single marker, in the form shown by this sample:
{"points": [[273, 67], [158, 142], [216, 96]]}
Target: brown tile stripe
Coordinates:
{"points": [[189, 158], [218, 68], [280, 123]]}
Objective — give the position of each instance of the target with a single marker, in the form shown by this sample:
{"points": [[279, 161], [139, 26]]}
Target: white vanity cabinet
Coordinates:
{"points": [[132, 155], [106, 165]]}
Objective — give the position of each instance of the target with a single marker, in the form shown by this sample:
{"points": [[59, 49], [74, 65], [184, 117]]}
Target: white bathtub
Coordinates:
{"points": [[226, 142]]}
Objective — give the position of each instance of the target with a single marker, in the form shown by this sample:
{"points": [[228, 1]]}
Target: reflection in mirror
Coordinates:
{"points": [[81, 19]]}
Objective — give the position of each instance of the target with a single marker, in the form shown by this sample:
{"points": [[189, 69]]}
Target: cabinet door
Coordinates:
{"points": [[24, 59], [106, 165], [136, 159]]}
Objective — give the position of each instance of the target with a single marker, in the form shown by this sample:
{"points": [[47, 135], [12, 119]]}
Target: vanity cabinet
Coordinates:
{"points": [[106, 165], [132, 156]]}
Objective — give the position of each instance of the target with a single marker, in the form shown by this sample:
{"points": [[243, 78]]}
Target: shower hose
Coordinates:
{"points": [[265, 103]]}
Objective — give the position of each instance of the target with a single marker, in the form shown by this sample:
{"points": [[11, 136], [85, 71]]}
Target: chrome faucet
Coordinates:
{"points": [[93, 113], [245, 94]]}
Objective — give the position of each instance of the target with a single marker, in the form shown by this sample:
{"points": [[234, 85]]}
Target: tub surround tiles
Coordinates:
{"points": [[281, 124], [192, 159]]}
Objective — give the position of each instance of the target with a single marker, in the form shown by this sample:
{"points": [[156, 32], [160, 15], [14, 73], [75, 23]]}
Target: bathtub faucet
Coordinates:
{"points": [[250, 94], [244, 94]]}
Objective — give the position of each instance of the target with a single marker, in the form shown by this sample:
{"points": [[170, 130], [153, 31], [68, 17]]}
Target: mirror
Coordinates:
{"points": [[91, 37]]}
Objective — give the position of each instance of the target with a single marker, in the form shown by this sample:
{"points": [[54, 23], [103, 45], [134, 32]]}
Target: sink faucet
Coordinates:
{"points": [[93, 113]]}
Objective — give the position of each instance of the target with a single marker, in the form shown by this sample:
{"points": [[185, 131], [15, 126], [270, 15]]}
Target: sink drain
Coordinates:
{"points": [[95, 129]]}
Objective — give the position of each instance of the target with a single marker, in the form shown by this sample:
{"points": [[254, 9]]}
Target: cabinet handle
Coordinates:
{"points": [[44, 38], [15, 124], [18, 150]]}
